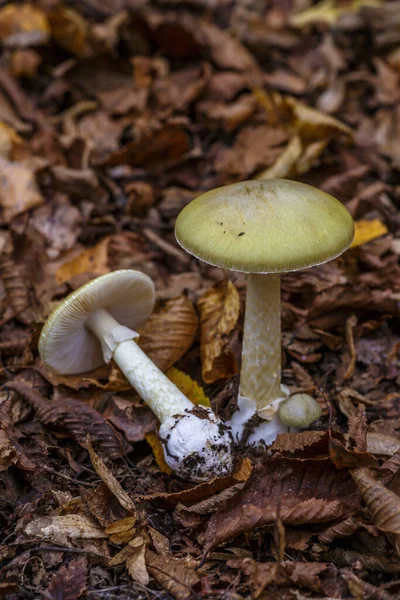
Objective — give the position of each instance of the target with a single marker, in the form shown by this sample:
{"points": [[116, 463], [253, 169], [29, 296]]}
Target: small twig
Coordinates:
{"points": [[166, 247], [67, 478]]}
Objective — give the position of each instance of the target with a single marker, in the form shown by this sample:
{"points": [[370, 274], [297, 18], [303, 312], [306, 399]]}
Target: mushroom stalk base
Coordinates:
{"points": [[260, 377]]}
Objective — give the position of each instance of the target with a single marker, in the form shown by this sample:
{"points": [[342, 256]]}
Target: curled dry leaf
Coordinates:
{"points": [[18, 190], [343, 458], [169, 332], [339, 530], [75, 419], [111, 482], [23, 25], [69, 29], [19, 291], [69, 582], [60, 528], [203, 490], [219, 311], [307, 442], [306, 491], [123, 531], [133, 554], [383, 504], [8, 454], [173, 575]]}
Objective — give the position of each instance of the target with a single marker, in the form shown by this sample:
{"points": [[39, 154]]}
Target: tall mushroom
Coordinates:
{"points": [[97, 323], [263, 228]]}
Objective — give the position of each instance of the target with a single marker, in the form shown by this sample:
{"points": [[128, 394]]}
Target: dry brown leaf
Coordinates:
{"points": [[111, 482], [11, 144], [74, 418], [18, 190], [382, 444], [307, 491], [169, 332], [285, 164], [136, 563], [312, 442], [23, 25], [8, 453], [69, 29], [350, 325], [219, 311], [60, 528], [173, 575], [344, 458], [69, 583], [383, 504], [203, 490], [339, 530]]}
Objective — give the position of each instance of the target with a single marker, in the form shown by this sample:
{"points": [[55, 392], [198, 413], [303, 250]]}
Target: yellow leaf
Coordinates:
{"points": [[23, 25], [10, 142], [285, 164], [94, 260], [190, 388], [69, 29], [195, 393], [365, 231], [329, 12]]}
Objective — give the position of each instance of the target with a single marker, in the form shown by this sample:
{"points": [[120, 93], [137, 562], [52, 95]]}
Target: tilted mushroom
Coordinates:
{"points": [[97, 323], [263, 228]]}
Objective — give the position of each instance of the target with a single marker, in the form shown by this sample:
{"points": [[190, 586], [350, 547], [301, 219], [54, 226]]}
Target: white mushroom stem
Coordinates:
{"points": [[197, 445], [260, 378]]}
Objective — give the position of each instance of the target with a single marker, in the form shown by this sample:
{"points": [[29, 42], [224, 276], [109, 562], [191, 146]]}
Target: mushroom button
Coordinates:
{"points": [[97, 323], [269, 227]]}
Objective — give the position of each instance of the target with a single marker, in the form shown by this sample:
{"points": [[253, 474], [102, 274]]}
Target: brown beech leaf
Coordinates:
{"points": [[339, 530], [219, 311], [203, 490], [111, 482], [69, 583], [306, 442], [344, 458], [169, 332], [307, 491], [18, 190], [155, 150], [173, 575], [8, 453], [122, 531], [300, 574], [74, 418], [93, 260], [383, 504]]}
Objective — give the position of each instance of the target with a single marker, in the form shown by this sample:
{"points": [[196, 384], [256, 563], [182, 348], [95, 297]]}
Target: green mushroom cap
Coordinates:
{"points": [[300, 410], [265, 226]]}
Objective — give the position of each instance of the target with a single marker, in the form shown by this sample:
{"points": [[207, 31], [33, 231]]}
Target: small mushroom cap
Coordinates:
{"points": [[67, 346], [265, 226], [300, 410]]}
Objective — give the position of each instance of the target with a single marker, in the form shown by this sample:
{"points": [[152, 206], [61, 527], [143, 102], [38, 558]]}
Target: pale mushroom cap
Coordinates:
{"points": [[67, 346], [265, 226]]}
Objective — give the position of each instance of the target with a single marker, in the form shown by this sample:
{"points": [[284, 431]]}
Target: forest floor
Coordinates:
{"points": [[113, 116]]}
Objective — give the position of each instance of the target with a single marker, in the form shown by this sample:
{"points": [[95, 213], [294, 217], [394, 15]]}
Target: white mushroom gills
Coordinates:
{"points": [[197, 445]]}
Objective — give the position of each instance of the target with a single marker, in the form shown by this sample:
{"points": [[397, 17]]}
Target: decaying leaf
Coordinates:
{"points": [[169, 332], [310, 491], [111, 482], [219, 311], [69, 582], [60, 528], [23, 25], [18, 190], [8, 453], [178, 579], [94, 261], [383, 504], [75, 419]]}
